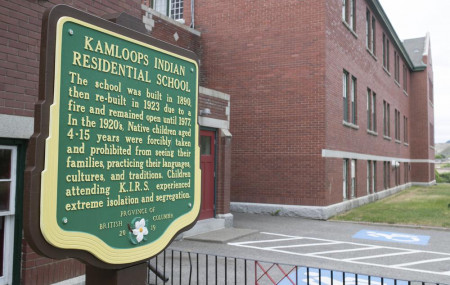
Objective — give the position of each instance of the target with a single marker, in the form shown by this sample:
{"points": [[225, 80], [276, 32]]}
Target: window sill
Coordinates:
{"points": [[406, 93], [386, 70], [432, 147], [387, 138], [397, 83], [431, 104], [350, 29], [372, 54], [397, 141], [370, 132], [406, 144], [350, 125]]}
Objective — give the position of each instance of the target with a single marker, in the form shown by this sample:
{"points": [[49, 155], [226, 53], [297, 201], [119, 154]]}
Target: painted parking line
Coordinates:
{"points": [[392, 237], [315, 276], [314, 247]]}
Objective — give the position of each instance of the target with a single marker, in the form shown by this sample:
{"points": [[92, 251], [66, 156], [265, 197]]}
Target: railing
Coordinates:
{"points": [[179, 267]]}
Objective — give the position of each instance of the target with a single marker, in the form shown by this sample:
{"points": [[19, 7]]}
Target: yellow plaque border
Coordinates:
{"points": [[50, 229]]}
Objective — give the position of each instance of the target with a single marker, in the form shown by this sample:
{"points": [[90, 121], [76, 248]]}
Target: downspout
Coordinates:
{"points": [[192, 14]]}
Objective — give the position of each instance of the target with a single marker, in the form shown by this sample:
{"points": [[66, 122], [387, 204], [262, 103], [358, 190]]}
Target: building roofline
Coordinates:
{"points": [[378, 9]]}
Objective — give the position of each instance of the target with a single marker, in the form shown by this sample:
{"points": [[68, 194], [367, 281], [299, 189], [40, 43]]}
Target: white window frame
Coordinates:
{"points": [[8, 240], [166, 7]]}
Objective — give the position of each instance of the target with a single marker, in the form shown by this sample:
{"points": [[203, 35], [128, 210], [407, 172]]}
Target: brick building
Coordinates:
{"points": [[329, 108]]}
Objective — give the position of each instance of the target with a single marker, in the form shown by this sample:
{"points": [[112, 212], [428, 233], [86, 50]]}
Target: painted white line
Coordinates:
{"points": [[345, 250], [421, 262], [302, 245], [381, 255], [354, 243], [264, 241], [353, 261]]}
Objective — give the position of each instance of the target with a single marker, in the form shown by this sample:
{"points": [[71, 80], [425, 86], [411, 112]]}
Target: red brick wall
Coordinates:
{"points": [[40, 270], [267, 57], [20, 34], [164, 30], [349, 52], [283, 70]]}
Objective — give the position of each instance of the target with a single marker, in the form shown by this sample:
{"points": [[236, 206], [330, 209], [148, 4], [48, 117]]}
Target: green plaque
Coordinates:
{"points": [[122, 164]]}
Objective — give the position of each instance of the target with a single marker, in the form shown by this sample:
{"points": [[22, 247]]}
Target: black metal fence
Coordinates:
{"points": [[180, 267]]}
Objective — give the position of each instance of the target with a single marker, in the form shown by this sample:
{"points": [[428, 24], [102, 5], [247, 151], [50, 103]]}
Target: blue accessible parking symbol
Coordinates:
{"points": [[392, 237]]}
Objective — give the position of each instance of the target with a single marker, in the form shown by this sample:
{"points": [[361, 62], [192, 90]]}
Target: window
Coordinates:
{"points": [[386, 174], [386, 119], [367, 29], [349, 106], [370, 32], [353, 178], [353, 102], [406, 172], [8, 158], [170, 8], [374, 176], [405, 78], [371, 176], [344, 94], [396, 67], [405, 129], [345, 179], [348, 13], [397, 125], [385, 52], [176, 9], [373, 41], [397, 174], [371, 111], [431, 135], [430, 90]]}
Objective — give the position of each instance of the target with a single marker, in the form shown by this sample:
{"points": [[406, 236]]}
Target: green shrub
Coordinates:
{"points": [[439, 156], [442, 178]]}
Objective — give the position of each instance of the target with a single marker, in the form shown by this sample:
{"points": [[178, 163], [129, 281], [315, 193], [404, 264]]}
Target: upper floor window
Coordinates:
{"points": [[431, 135], [405, 129], [348, 13], [349, 96], [397, 125], [405, 78], [430, 90], [386, 119], [170, 8], [370, 32], [371, 110], [396, 66], [385, 52]]}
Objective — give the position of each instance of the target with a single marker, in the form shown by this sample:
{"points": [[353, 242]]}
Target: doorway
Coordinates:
{"points": [[207, 162]]}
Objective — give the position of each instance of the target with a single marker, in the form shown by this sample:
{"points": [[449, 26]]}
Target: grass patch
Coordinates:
{"points": [[425, 206]]}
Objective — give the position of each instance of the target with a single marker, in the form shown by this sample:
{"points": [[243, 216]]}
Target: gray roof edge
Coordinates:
{"points": [[379, 10]]}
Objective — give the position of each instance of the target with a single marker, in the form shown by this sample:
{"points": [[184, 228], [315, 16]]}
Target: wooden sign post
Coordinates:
{"points": [[114, 165]]}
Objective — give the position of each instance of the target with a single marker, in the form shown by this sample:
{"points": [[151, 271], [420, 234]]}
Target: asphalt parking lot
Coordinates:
{"points": [[405, 253]]}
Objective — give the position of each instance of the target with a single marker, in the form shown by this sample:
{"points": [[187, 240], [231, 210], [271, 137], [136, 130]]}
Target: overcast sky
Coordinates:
{"points": [[413, 19]]}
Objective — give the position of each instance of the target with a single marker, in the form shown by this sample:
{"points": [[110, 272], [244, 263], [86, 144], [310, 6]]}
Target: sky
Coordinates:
{"points": [[413, 19]]}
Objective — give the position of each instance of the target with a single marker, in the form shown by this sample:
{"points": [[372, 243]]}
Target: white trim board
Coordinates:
{"points": [[361, 156]]}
